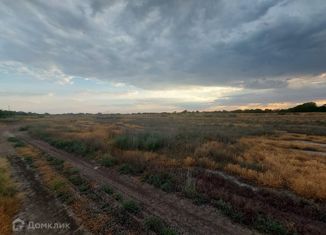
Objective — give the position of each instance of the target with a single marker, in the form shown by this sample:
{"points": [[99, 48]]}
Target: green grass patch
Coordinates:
{"points": [[17, 142], [156, 225], [56, 163], [228, 210], [108, 161], [140, 141], [131, 207], [161, 180], [71, 171], [57, 184], [130, 169], [107, 189], [269, 225], [76, 180]]}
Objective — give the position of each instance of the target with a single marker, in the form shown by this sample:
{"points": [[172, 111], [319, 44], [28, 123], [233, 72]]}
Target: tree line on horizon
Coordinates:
{"points": [[301, 108], [305, 107]]}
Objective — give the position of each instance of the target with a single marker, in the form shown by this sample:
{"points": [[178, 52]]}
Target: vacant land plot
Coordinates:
{"points": [[265, 171]]}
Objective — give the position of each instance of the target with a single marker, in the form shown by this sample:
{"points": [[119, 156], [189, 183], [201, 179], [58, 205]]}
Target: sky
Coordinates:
{"points": [[161, 55]]}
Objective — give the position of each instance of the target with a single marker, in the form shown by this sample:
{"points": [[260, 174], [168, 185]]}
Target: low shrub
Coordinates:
{"points": [[17, 142], [71, 171], [65, 196], [107, 189], [161, 180], [72, 146], [190, 191], [76, 180], [228, 210], [83, 187], [131, 207], [269, 225], [142, 141], [129, 169], [108, 161], [57, 163], [156, 225], [57, 184]]}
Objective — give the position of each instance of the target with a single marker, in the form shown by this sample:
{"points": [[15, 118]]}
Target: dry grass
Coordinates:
{"points": [[80, 204], [94, 222], [214, 141], [9, 201], [303, 137], [300, 172]]}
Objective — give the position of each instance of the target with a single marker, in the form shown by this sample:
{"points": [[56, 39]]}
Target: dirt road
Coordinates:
{"points": [[38, 205], [178, 212]]}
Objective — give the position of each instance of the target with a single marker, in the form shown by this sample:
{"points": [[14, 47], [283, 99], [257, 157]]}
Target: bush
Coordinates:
{"points": [[107, 189], [71, 171], [156, 225], [129, 169], [17, 142], [57, 184], [72, 146], [108, 161], [131, 207], [269, 225], [57, 163], [143, 141], [163, 181], [84, 187], [227, 209], [76, 180], [65, 196]]}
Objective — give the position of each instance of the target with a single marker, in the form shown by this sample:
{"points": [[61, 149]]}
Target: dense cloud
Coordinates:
{"points": [[258, 44]]}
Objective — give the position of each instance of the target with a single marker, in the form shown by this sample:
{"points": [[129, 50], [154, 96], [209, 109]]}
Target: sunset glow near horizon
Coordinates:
{"points": [[161, 56]]}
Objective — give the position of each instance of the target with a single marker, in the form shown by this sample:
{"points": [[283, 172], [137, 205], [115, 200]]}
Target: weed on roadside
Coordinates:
{"points": [[162, 180], [131, 207], [156, 225], [108, 161], [107, 189]]}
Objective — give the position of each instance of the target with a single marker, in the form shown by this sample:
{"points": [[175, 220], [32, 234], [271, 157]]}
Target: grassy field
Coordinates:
{"points": [[258, 147], [9, 200], [276, 153]]}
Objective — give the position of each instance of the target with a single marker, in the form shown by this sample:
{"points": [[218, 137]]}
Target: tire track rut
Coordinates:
{"points": [[180, 213]]}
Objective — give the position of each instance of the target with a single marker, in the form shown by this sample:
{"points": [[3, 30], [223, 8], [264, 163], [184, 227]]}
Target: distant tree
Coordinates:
{"points": [[305, 107]]}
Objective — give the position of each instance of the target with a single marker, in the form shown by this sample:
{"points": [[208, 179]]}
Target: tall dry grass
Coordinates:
{"points": [[9, 200], [300, 172]]}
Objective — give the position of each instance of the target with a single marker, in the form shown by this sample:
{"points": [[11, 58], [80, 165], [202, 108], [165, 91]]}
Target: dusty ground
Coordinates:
{"points": [[180, 213], [38, 206]]}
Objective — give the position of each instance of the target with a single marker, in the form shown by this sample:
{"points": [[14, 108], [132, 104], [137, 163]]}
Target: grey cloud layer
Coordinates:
{"points": [[154, 43]]}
